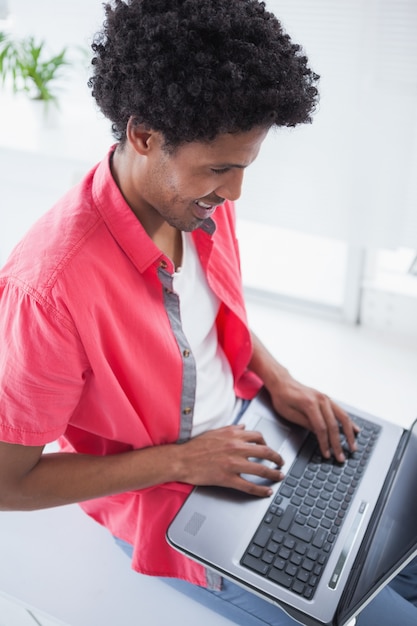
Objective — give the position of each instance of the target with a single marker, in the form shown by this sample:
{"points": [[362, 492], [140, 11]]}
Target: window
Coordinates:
{"points": [[297, 266]]}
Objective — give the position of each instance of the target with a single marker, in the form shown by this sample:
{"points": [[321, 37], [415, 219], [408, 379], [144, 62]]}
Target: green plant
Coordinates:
{"points": [[24, 65], [8, 59]]}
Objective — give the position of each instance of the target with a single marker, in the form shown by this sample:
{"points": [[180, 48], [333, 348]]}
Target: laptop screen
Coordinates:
{"points": [[394, 537]]}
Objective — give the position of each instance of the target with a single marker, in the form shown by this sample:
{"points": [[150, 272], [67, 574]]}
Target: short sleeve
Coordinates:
{"points": [[42, 368]]}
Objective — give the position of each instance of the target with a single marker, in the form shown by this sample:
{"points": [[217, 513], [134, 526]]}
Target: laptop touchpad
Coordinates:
{"points": [[275, 435]]}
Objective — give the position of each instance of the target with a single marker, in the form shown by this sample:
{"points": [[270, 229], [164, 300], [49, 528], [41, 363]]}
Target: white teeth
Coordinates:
{"points": [[203, 205]]}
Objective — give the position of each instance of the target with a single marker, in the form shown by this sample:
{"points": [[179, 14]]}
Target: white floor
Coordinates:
{"points": [[59, 567], [14, 614]]}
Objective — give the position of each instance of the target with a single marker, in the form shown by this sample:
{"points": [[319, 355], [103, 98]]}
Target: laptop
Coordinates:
{"points": [[331, 535]]}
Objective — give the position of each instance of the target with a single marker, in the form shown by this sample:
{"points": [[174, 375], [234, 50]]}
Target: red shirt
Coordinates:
{"points": [[89, 354]]}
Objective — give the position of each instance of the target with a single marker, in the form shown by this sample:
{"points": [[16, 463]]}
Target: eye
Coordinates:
{"points": [[220, 171]]}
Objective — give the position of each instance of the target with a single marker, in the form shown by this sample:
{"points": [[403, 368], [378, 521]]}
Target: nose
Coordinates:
{"points": [[231, 185]]}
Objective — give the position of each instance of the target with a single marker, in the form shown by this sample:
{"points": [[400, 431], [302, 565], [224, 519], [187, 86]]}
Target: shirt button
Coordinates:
{"points": [[163, 264], [187, 410], [186, 353]]}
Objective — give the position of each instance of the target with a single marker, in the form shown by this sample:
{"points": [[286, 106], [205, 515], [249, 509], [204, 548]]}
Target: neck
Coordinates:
{"points": [[170, 243], [167, 238]]}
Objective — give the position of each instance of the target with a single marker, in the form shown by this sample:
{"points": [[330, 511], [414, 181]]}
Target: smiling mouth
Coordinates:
{"points": [[205, 210]]}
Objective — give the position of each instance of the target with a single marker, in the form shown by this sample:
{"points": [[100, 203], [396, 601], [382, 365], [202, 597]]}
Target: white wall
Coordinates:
{"points": [[59, 23], [352, 173]]}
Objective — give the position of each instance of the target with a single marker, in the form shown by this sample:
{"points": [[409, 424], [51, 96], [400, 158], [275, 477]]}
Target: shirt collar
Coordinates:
{"points": [[120, 219]]}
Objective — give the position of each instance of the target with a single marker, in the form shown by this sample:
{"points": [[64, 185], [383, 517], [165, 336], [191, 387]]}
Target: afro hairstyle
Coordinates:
{"points": [[192, 69]]}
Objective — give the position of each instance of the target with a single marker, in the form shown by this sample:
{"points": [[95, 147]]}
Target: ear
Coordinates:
{"points": [[140, 137]]}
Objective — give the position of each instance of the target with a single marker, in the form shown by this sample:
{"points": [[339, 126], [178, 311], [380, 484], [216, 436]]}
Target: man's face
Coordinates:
{"points": [[186, 187]]}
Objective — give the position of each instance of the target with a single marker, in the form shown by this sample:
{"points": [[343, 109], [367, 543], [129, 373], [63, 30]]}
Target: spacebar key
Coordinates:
{"points": [[287, 518], [280, 577], [255, 564]]}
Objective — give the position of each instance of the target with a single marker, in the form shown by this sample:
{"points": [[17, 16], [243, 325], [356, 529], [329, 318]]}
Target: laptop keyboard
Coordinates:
{"points": [[297, 534]]}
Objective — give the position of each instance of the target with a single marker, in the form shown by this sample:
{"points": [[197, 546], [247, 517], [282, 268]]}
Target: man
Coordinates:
{"points": [[123, 327]]}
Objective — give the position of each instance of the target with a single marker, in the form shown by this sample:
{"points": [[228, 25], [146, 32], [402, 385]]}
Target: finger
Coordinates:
{"points": [[261, 460], [349, 427], [315, 422], [325, 427], [253, 436], [314, 417], [333, 430], [258, 447], [323, 419], [239, 431], [257, 438], [253, 488], [265, 471]]}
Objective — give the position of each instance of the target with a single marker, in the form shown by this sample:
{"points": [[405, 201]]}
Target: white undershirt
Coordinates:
{"points": [[215, 401]]}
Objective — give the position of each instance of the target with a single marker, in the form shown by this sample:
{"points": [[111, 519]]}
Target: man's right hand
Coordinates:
{"points": [[220, 457]]}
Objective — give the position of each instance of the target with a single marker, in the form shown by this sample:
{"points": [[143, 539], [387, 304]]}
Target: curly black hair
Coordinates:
{"points": [[192, 69]]}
